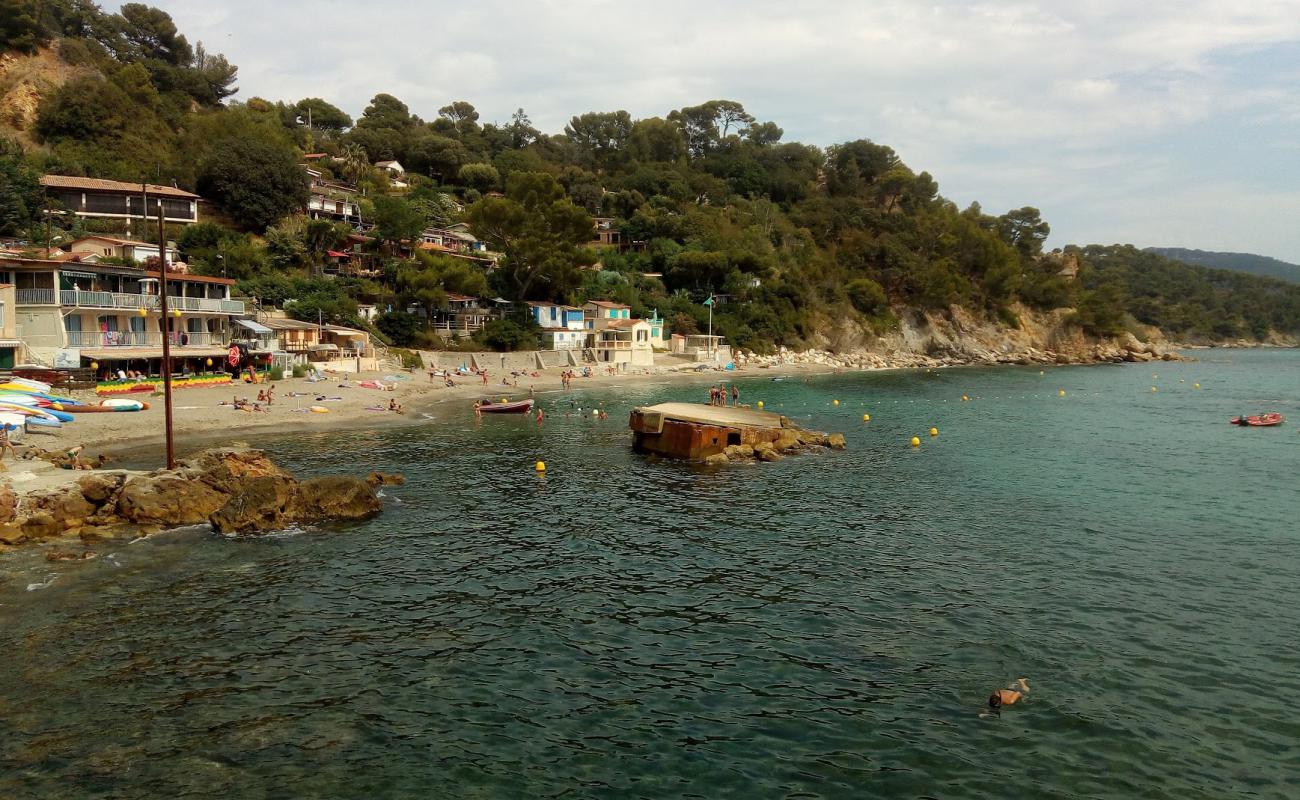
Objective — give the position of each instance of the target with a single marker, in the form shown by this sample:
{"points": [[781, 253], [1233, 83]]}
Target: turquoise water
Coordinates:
{"points": [[827, 626]]}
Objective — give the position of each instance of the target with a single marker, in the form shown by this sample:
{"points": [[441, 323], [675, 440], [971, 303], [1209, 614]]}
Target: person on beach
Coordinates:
{"points": [[478, 408], [1009, 696], [270, 396], [541, 415], [74, 458], [483, 374], [735, 395], [6, 446]]}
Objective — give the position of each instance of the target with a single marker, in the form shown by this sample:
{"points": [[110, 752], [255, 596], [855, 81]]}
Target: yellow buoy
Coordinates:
{"points": [[540, 466], [866, 417], [1062, 393], [916, 441], [965, 398], [760, 403], [1196, 386], [934, 431], [1153, 388], [835, 402], [504, 400]]}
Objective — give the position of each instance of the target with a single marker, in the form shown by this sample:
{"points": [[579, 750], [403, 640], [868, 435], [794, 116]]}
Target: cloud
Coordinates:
{"points": [[1010, 103]]}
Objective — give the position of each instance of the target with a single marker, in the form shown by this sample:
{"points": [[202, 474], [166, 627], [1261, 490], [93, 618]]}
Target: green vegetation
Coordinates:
{"points": [[1238, 262], [705, 200], [1187, 302]]}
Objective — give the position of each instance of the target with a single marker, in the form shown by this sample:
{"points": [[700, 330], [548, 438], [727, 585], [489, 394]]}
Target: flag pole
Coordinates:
{"points": [[166, 339]]}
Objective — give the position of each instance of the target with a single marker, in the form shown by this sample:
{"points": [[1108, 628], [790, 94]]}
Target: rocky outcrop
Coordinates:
{"points": [[959, 337], [781, 443], [236, 491]]}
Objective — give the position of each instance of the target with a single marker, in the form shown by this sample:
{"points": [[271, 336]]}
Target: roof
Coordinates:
{"points": [[314, 156], [619, 324], [606, 304], [341, 331], [716, 415], [255, 327], [288, 325], [459, 298], [387, 163], [542, 304], [115, 240], [101, 185], [337, 254]]}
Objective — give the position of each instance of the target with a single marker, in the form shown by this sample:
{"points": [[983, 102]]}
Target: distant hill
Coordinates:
{"points": [[1237, 262]]}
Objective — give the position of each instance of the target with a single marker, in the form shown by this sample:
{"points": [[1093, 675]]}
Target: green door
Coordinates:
{"points": [[6, 358]]}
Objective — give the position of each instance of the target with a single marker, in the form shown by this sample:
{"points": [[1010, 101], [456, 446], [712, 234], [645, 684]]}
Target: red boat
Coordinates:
{"points": [[1258, 421], [517, 407]]}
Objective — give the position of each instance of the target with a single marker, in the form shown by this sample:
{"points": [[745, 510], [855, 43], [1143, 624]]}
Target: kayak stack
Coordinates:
{"points": [[27, 404]]}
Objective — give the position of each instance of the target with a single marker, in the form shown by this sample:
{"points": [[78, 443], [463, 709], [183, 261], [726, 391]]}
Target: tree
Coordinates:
{"points": [[867, 296], [600, 138], [479, 176], [855, 166], [521, 130], [255, 181], [459, 113], [1025, 230], [19, 29], [398, 326], [85, 109], [20, 190], [397, 221], [436, 155], [149, 34], [657, 139], [427, 282], [323, 115], [538, 231], [705, 126]]}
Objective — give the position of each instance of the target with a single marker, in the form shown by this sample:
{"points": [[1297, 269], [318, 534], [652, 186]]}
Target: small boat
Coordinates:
{"points": [[517, 407], [1258, 420]]}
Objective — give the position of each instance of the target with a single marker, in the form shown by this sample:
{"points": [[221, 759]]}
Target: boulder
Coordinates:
{"points": [[717, 460], [99, 488], [168, 499], [41, 525], [335, 497], [263, 504], [768, 454], [12, 533], [787, 439], [384, 479], [227, 470], [741, 451], [835, 441], [66, 506]]}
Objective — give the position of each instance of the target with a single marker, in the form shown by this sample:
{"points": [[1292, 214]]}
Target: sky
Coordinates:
{"points": [[1151, 122]]}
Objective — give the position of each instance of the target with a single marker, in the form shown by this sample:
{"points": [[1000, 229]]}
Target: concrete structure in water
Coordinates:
{"points": [[695, 432]]}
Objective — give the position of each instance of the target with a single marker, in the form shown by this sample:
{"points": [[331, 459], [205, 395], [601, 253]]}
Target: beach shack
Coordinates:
{"points": [[694, 431]]}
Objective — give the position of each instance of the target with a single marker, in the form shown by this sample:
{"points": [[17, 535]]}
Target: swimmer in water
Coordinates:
{"points": [[1009, 696]]}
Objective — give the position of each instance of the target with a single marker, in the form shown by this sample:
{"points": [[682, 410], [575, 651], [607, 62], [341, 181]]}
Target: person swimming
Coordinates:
{"points": [[1009, 696]]}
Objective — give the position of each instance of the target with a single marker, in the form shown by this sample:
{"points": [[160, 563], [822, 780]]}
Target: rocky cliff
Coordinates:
{"points": [[961, 337]]}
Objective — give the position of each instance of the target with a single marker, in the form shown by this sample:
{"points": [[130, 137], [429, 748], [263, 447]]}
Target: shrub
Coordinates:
{"points": [[299, 370], [277, 373]]}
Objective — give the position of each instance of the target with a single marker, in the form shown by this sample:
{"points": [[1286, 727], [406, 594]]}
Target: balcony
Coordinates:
{"points": [[114, 300], [179, 339]]}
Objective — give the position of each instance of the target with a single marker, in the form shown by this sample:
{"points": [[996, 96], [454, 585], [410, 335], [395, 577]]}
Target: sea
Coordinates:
{"points": [[828, 626]]}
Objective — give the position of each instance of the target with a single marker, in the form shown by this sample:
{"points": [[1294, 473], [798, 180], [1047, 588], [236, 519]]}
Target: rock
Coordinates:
{"points": [[41, 525], [739, 451], [168, 499], [8, 503], [787, 439], [768, 454], [98, 488], [717, 460], [263, 504], [384, 479], [336, 497], [66, 506], [228, 470], [12, 533], [835, 441]]}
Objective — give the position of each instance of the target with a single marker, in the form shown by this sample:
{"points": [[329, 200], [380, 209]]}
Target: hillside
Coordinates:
{"points": [[1237, 262], [800, 246]]}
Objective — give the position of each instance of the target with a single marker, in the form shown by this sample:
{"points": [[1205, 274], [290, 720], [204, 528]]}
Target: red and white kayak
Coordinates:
{"points": [[517, 407], [1258, 421]]}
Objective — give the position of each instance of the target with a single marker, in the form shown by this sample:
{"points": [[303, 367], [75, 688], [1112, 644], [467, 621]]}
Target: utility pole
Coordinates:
{"points": [[166, 339]]}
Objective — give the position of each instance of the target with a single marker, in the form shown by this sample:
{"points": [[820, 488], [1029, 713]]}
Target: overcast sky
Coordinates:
{"points": [[1155, 122]]}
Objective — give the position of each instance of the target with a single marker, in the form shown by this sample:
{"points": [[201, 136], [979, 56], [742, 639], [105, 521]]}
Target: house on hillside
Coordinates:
{"points": [[623, 343], [607, 234], [563, 327], [94, 198], [125, 249], [598, 314], [393, 168]]}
